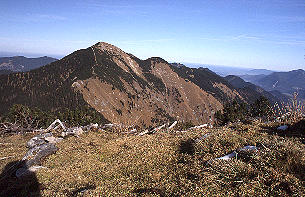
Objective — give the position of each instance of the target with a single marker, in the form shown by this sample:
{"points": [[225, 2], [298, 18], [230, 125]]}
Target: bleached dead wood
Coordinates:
{"points": [[240, 150], [228, 156], [199, 126], [152, 131], [5, 143], [52, 126], [3, 158], [158, 128], [131, 131], [110, 125], [173, 125], [40, 147], [76, 131], [7, 127], [144, 132]]}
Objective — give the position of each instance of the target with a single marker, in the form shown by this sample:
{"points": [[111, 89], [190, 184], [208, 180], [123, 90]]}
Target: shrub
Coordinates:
{"points": [[29, 118], [289, 112], [232, 112], [261, 108]]}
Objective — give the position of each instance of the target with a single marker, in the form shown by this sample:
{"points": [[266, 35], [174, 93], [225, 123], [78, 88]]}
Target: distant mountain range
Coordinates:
{"points": [[22, 64], [277, 83], [284, 82], [253, 92], [229, 70]]}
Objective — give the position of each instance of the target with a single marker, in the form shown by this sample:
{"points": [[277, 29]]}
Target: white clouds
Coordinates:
{"points": [[271, 39], [244, 36]]}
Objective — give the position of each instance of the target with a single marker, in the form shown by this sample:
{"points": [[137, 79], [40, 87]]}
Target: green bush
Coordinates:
{"points": [[238, 111], [232, 112], [35, 118], [261, 108], [29, 118]]}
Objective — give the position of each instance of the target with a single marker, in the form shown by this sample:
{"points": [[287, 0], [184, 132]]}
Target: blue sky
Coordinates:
{"points": [[244, 33]]}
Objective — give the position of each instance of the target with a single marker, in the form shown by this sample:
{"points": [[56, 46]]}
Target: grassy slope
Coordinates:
{"points": [[173, 165]]}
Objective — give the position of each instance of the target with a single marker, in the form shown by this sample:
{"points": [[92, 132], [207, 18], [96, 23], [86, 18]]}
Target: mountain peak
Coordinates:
{"points": [[106, 47]]}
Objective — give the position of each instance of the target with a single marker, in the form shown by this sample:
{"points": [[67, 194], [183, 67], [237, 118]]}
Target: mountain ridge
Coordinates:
{"points": [[284, 82], [23, 64]]}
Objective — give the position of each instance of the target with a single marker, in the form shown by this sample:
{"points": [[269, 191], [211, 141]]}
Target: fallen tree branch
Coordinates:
{"points": [[3, 158]]}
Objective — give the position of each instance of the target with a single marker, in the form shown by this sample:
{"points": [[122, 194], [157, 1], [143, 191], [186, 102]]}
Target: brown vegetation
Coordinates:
{"points": [[173, 164]]}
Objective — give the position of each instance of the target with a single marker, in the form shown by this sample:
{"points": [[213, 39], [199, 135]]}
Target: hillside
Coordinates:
{"points": [[251, 91], [208, 81], [114, 83], [284, 82], [23, 64]]}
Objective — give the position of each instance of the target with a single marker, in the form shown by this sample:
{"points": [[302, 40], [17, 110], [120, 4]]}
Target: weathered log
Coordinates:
{"points": [[173, 125], [52, 126]]}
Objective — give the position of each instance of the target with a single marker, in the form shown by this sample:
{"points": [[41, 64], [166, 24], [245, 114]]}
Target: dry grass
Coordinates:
{"points": [[103, 163], [12, 148], [290, 112]]}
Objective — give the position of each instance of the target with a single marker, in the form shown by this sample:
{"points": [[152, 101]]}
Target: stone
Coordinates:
{"points": [[240, 150], [38, 140], [35, 155], [247, 148], [35, 142], [282, 128]]}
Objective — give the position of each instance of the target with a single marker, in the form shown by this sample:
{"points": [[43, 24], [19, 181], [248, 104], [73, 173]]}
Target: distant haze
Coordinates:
{"points": [[231, 70]]}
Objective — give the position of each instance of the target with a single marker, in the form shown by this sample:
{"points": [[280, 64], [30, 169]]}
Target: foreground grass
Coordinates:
{"points": [[102, 163]]}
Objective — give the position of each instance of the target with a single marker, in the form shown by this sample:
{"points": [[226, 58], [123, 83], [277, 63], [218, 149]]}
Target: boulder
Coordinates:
{"points": [[35, 155], [38, 140]]}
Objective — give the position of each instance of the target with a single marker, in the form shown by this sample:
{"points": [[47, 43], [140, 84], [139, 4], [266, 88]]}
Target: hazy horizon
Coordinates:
{"points": [[189, 64], [242, 33]]}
